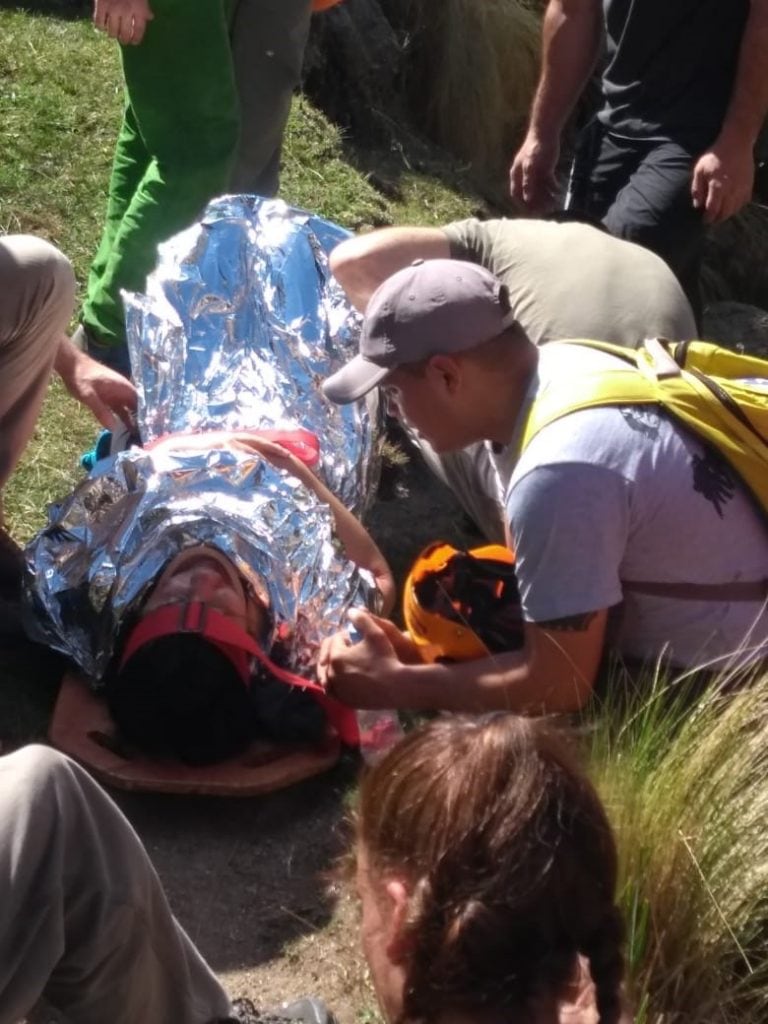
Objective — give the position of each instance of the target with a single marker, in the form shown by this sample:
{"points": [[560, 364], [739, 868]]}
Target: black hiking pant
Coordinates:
{"points": [[641, 191]]}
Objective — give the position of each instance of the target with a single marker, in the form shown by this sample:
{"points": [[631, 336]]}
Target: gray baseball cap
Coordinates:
{"points": [[430, 307]]}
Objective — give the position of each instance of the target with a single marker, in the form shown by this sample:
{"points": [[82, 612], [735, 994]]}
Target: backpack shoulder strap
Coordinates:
{"points": [[716, 361], [622, 385], [684, 391]]}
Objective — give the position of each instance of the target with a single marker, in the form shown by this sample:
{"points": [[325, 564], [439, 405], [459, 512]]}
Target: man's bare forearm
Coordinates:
{"points": [[503, 682], [749, 98], [362, 263], [570, 44]]}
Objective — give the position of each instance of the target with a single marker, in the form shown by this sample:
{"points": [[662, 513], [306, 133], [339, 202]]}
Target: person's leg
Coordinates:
{"points": [[85, 922], [181, 90], [37, 296], [268, 41], [129, 166], [654, 209], [601, 167]]}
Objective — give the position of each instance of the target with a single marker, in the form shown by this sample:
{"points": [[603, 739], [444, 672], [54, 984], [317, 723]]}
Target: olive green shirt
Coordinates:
{"points": [[570, 280]]}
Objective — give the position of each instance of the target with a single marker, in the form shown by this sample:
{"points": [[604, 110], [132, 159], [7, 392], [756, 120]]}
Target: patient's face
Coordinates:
{"points": [[204, 574]]}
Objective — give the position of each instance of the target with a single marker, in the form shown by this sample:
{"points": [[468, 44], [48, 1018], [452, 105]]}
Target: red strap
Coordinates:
{"points": [[235, 643]]}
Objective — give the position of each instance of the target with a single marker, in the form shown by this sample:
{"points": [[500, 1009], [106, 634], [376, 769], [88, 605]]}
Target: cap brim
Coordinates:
{"points": [[354, 380]]}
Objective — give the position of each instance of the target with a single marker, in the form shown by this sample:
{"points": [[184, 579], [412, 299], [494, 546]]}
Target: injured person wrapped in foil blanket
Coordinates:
{"points": [[193, 576]]}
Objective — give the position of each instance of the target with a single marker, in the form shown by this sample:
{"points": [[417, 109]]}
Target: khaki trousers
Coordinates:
{"points": [[85, 923], [37, 295]]}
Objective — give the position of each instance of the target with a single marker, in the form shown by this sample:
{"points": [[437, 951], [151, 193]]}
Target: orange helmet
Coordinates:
{"points": [[460, 605], [323, 5]]}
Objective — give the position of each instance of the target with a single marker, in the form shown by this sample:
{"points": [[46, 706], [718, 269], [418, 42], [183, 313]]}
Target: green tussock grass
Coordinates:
{"points": [[684, 773], [473, 71]]}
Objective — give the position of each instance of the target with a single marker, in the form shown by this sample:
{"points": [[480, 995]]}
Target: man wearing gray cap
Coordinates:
{"points": [[596, 504], [565, 280]]}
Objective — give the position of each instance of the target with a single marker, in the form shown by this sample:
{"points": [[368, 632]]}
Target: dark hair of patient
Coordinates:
{"points": [[510, 862], [178, 696]]}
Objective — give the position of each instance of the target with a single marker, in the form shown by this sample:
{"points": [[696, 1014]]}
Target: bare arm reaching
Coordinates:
{"points": [[570, 45], [360, 264], [358, 543], [104, 391], [554, 672]]}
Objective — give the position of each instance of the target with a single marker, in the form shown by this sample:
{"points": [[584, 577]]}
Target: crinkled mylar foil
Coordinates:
{"points": [[240, 323]]}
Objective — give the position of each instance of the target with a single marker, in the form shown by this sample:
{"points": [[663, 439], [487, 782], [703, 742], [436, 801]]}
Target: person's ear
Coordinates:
{"points": [[398, 942], [445, 372]]}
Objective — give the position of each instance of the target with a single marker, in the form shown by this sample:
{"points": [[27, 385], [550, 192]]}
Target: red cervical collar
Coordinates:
{"points": [[238, 646]]}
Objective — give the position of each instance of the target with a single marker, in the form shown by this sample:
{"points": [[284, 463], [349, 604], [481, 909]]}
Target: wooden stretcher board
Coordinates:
{"points": [[82, 728]]}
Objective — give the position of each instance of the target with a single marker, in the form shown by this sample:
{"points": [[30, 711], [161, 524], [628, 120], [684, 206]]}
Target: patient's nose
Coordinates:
{"points": [[206, 581]]}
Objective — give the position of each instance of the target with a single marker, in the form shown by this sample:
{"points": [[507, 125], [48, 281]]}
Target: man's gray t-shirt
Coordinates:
{"points": [[608, 495], [570, 280]]}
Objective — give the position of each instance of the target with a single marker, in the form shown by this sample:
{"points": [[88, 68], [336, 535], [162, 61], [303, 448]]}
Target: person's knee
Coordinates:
{"points": [[40, 267], [38, 770], [41, 282], [61, 278]]}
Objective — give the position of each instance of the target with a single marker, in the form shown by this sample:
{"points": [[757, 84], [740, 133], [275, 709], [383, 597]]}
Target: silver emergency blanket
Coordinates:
{"points": [[240, 323]]}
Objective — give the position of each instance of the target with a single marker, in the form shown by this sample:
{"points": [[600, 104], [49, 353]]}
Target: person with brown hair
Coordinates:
{"points": [[485, 866], [486, 869]]}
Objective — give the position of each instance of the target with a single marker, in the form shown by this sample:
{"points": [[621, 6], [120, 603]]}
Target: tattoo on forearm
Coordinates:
{"points": [[570, 623]]}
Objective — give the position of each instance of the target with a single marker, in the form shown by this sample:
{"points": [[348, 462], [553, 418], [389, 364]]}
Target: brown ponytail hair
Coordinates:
{"points": [[510, 863]]}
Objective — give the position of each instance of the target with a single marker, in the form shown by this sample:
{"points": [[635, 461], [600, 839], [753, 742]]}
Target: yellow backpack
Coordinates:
{"points": [[721, 395]]}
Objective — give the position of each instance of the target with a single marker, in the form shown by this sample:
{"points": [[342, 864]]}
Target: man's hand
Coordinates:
{"points": [[532, 175], [105, 392], [362, 674], [722, 181], [124, 20]]}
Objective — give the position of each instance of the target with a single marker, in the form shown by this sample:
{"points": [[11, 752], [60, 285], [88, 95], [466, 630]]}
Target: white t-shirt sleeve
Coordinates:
{"points": [[569, 524]]}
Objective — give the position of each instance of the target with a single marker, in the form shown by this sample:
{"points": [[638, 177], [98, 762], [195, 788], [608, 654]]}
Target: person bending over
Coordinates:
{"points": [[629, 533], [564, 280]]}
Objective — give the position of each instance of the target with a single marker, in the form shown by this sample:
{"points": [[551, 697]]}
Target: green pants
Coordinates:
{"points": [[180, 141], [176, 149]]}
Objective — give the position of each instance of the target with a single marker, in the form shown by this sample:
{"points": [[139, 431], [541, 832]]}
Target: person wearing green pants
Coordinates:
{"points": [[208, 89]]}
